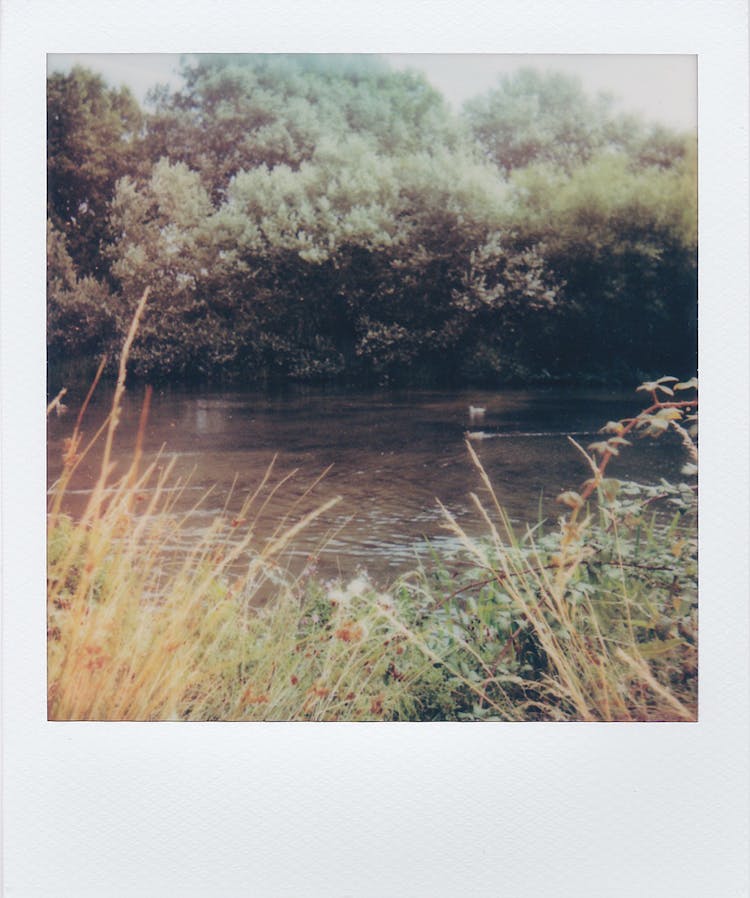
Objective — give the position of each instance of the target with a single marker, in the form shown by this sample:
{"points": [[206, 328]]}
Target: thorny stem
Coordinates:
{"points": [[590, 486], [657, 405]]}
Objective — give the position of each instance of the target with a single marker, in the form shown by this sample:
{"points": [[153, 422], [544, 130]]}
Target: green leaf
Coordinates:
{"points": [[669, 414], [610, 487], [571, 499], [651, 386], [657, 647]]}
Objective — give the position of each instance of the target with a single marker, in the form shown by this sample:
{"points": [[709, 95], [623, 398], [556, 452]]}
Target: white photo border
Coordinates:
{"points": [[380, 809]]}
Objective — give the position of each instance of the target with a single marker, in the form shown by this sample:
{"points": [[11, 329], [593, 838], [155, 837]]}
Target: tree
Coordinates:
{"points": [[535, 117], [93, 135], [623, 240], [353, 262], [237, 112], [158, 228], [80, 313], [312, 216]]}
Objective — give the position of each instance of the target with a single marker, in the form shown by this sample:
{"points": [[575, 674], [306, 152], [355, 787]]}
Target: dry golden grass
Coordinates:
{"points": [[139, 631]]}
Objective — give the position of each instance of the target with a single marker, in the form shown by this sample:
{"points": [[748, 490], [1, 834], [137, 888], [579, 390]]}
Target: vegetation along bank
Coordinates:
{"points": [[330, 218]]}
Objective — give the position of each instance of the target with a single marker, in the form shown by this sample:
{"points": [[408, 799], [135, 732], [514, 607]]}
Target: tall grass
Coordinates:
{"points": [[138, 631], [593, 621], [582, 627], [597, 619]]}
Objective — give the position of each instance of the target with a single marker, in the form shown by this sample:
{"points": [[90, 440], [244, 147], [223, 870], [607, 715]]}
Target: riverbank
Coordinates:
{"points": [[595, 619]]}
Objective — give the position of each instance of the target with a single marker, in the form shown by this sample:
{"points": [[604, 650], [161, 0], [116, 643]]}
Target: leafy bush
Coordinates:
{"points": [[80, 315]]}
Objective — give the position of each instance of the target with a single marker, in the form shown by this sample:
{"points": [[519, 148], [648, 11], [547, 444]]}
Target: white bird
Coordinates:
{"points": [[476, 413]]}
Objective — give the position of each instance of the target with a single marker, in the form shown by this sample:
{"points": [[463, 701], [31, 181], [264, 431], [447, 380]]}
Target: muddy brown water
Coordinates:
{"points": [[392, 456]]}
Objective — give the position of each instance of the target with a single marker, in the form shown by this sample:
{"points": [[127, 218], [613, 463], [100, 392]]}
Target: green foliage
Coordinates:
{"points": [[354, 261], [593, 620], [539, 117], [623, 241], [80, 315], [93, 138], [324, 216], [157, 243], [237, 112], [546, 118]]}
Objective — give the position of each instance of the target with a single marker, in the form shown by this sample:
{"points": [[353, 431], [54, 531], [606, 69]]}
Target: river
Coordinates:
{"points": [[392, 455]]}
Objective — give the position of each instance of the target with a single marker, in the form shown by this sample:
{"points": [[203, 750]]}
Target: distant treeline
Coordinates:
{"points": [[321, 217]]}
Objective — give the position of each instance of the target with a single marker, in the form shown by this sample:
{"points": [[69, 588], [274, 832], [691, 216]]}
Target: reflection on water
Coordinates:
{"points": [[392, 455]]}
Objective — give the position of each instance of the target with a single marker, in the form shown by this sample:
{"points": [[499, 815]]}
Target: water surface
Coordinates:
{"points": [[391, 455]]}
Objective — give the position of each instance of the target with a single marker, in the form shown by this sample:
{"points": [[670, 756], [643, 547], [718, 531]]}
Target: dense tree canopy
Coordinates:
{"points": [[239, 112], [93, 135], [326, 216], [623, 240]]}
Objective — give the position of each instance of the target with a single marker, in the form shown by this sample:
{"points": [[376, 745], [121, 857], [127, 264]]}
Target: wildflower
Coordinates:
{"points": [[249, 697], [384, 601], [394, 672], [351, 631], [357, 587], [336, 595], [97, 659]]}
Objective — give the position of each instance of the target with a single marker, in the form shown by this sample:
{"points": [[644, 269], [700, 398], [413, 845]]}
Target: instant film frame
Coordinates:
{"points": [[288, 809]]}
